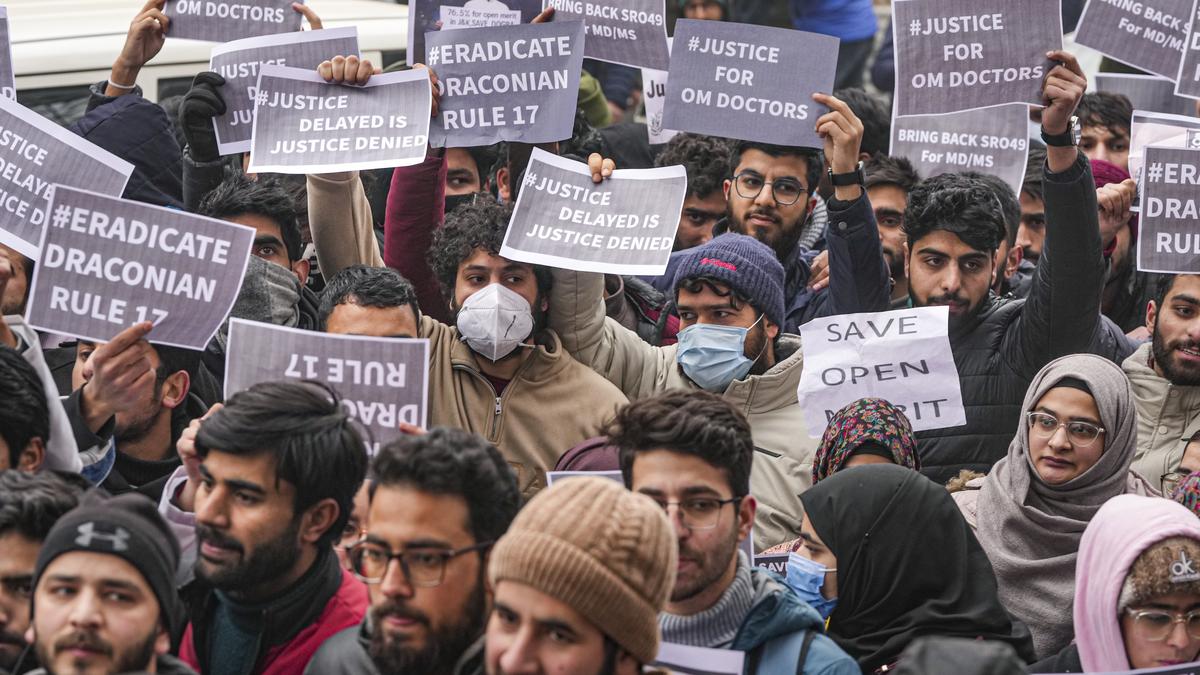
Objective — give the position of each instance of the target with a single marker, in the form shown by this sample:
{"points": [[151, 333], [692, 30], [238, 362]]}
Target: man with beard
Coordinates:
{"points": [[271, 477], [104, 598], [889, 180], [30, 504], [954, 226], [424, 569], [1165, 374], [691, 452]]}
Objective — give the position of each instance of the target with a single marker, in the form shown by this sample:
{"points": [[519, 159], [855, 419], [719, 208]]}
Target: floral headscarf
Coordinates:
{"points": [[865, 420]]}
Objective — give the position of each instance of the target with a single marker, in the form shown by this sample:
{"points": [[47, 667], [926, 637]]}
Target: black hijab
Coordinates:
{"points": [[907, 565]]}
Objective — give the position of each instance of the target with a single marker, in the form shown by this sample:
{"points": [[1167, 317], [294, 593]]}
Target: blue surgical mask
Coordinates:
{"points": [[714, 356], [807, 577]]}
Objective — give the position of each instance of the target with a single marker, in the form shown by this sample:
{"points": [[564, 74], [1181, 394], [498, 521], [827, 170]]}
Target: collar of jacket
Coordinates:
{"points": [[548, 358], [776, 611], [775, 388], [1148, 384]]}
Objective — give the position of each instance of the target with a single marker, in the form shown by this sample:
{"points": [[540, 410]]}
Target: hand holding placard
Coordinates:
{"points": [[1061, 93], [842, 133], [145, 39]]}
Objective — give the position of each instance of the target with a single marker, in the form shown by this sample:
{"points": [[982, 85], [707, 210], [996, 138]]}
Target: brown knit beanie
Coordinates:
{"points": [[1169, 566], [606, 552]]}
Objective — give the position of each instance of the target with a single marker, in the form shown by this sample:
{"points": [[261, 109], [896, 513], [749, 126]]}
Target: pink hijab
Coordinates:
{"points": [[1118, 533]]}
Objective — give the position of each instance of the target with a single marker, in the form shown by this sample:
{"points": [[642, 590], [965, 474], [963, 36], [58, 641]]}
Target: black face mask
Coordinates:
{"points": [[455, 201]]}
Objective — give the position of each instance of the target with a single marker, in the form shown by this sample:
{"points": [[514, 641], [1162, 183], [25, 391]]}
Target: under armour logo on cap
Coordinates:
{"points": [[115, 540], [1183, 570]]}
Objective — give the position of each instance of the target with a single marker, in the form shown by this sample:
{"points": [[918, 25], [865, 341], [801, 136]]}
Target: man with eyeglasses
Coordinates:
{"points": [[692, 453], [439, 501], [30, 504]]}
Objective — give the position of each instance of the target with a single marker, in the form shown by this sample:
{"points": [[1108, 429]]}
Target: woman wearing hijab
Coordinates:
{"points": [[1071, 454], [1137, 589], [897, 561], [867, 431]]}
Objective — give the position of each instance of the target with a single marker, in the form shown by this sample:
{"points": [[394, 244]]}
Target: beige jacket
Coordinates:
{"points": [[783, 464], [339, 217], [1168, 415], [551, 404]]}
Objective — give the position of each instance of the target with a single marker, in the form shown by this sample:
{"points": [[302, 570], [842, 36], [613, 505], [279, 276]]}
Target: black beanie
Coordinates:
{"points": [[129, 527]]}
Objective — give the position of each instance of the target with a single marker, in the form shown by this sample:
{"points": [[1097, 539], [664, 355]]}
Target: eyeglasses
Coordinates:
{"points": [[785, 190], [1156, 624], [700, 513], [423, 567], [1045, 425]]}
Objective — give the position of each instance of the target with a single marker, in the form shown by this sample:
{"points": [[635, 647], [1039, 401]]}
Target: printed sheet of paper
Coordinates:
{"points": [[225, 20], [424, 16], [1146, 92], [1146, 34], [1168, 238], [8, 87], [628, 32]]}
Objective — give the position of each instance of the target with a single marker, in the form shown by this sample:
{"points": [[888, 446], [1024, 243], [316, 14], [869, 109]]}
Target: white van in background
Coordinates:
{"points": [[61, 47]]}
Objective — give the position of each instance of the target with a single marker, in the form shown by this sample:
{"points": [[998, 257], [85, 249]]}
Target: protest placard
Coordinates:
{"points": [[1187, 81], [506, 83], [108, 263], [677, 658], [654, 94], [1146, 34], [625, 225], [901, 356], [1168, 239], [776, 563], [36, 154], [628, 32], [8, 87], [1145, 92], [381, 381], [989, 140], [303, 124], [739, 81], [225, 20], [426, 16], [552, 476], [954, 55], [239, 62], [1150, 128]]}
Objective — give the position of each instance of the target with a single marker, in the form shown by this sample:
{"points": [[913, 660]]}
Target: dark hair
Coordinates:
{"points": [[174, 359], [1035, 170], [30, 503], [317, 446], [1162, 288], [886, 170], [485, 157], [480, 224], [1009, 203], [875, 115], [237, 195], [814, 162], [693, 422], [367, 286], [702, 157], [965, 206], [453, 462], [24, 413], [1106, 109]]}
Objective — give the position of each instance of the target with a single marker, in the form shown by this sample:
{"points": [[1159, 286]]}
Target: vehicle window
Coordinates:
{"points": [[63, 105]]}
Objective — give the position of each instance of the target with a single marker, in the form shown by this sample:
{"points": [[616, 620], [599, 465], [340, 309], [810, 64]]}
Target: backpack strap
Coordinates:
{"points": [[784, 654]]}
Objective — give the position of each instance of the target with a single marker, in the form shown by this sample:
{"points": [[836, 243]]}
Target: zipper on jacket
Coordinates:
{"points": [[498, 409]]}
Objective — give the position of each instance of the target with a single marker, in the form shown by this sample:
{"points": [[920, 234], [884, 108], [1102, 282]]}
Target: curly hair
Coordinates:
{"points": [[704, 158], [367, 287], [965, 206], [479, 225]]}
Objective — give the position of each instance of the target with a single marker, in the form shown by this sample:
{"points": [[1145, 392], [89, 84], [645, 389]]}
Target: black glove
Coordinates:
{"points": [[200, 105]]}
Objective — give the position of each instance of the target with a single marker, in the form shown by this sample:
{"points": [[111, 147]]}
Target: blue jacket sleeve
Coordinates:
{"points": [[883, 70]]}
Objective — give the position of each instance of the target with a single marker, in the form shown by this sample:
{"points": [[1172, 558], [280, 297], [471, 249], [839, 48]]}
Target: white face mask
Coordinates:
{"points": [[494, 320]]}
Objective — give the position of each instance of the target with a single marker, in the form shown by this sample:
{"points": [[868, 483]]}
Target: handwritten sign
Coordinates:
{"points": [[382, 381], [108, 263], [954, 55], [239, 62], [36, 154], [629, 32], [225, 20], [901, 356], [625, 225], [1168, 240], [1145, 92], [8, 87], [508, 83], [426, 16], [303, 124], [989, 140], [739, 81], [1146, 34]]}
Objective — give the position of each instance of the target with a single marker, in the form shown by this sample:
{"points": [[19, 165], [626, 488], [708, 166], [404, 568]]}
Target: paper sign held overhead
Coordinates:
{"points": [[954, 55], [239, 62], [424, 16], [1168, 236], [108, 263], [1148, 128], [624, 225], [1188, 79], [382, 381], [36, 154], [8, 87], [225, 20], [628, 32], [303, 124], [738, 81], [1146, 34], [508, 83], [902, 356]]}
